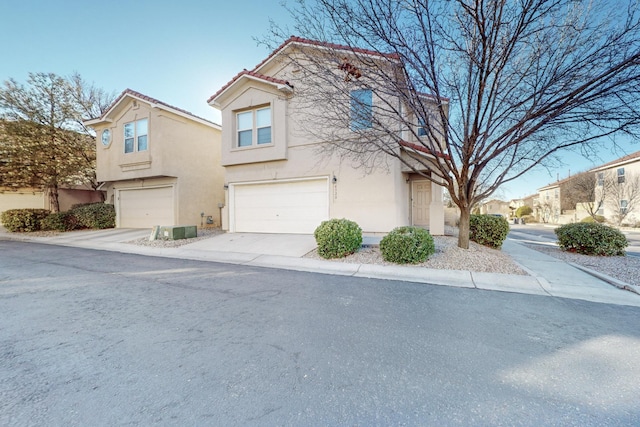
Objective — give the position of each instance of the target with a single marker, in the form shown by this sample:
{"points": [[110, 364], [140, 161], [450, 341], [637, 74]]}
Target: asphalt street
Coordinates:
{"points": [[103, 338]]}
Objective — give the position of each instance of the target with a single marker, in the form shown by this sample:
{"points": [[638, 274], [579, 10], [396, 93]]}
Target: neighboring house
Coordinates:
{"points": [[554, 204], [531, 201], [160, 165], [35, 198], [276, 180], [618, 190], [495, 207]]}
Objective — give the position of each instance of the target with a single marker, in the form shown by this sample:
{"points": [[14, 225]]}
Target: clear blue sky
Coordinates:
{"points": [[178, 52]]}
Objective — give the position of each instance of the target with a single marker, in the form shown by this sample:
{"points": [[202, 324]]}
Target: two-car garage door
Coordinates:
{"points": [[282, 207], [146, 207]]}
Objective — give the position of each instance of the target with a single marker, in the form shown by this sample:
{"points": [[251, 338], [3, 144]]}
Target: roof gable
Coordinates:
{"points": [[629, 158], [280, 84], [255, 73], [155, 103]]}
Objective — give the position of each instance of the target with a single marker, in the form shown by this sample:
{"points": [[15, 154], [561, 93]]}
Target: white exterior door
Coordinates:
{"points": [[145, 207], [420, 202], [283, 207]]}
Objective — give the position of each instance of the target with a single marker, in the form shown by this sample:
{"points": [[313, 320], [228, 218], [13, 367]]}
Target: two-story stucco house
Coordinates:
{"points": [[618, 190], [276, 179], [160, 165]]}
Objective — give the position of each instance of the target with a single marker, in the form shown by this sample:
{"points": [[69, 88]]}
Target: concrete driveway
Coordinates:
{"points": [[294, 245]]}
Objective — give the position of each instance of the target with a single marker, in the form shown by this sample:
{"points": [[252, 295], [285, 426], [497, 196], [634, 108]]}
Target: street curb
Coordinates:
{"points": [[608, 279]]}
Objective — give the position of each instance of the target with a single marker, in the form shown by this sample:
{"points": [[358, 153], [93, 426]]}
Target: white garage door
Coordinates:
{"points": [[145, 207], [28, 200], [286, 207]]}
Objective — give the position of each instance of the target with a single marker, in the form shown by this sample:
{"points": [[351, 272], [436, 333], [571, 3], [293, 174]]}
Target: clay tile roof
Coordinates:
{"points": [[151, 100], [424, 149], [251, 74], [623, 159], [301, 40]]}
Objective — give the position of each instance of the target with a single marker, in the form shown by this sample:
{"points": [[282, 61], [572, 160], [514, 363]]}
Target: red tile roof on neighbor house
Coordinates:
{"points": [[250, 74], [624, 159], [133, 93], [299, 40]]}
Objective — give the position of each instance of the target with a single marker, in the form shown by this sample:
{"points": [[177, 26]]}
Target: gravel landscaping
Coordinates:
{"points": [[624, 268], [448, 256]]}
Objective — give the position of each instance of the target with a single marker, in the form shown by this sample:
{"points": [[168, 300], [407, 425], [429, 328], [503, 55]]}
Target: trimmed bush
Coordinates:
{"points": [[591, 239], [523, 211], [407, 245], [60, 221], [529, 219], [590, 219], [23, 220], [338, 238], [95, 215], [488, 230]]}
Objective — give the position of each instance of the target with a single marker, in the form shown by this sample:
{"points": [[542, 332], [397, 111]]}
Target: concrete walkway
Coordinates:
{"points": [[548, 276]]}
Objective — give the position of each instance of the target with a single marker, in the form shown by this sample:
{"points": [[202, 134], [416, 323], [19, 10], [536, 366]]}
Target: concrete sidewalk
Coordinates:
{"points": [[548, 276]]}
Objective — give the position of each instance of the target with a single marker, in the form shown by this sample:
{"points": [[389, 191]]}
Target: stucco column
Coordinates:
{"points": [[436, 211]]}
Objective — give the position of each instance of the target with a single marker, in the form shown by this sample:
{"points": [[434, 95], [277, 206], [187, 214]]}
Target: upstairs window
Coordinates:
{"points": [[600, 179], [136, 136], [254, 127], [620, 175], [624, 205], [361, 109], [422, 128]]}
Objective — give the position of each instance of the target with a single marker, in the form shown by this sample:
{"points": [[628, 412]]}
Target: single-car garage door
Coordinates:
{"points": [[284, 207], [21, 200], [145, 207]]}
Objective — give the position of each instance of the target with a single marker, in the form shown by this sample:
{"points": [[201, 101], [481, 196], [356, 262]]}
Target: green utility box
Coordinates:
{"points": [[177, 232]]}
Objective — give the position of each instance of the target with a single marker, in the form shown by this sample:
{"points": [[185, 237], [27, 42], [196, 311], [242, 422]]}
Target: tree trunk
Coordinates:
{"points": [[463, 228], [54, 202]]}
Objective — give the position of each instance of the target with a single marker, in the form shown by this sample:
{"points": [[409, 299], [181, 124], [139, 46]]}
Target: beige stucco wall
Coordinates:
{"points": [[181, 151], [378, 199], [612, 201]]}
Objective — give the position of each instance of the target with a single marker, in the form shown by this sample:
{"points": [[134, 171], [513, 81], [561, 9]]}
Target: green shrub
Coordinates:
{"points": [[23, 220], [523, 211], [60, 221], [590, 219], [591, 239], [529, 219], [488, 230], [95, 215], [337, 238], [407, 245]]}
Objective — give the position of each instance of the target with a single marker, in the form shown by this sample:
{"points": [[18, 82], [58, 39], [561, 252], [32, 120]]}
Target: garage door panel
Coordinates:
{"points": [[11, 200], [144, 208], [286, 207]]}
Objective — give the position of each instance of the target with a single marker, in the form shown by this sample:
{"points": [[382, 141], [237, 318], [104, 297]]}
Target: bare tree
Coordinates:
{"points": [[493, 87], [44, 143], [623, 196], [586, 189]]}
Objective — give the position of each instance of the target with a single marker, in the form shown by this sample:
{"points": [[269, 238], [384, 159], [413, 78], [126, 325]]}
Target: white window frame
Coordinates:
{"points": [[361, 109], [600, 178], [137, 136], [621, 176], [624, 206], [255, 127]]}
